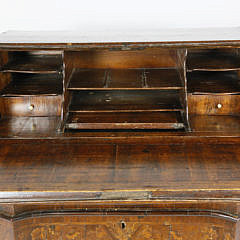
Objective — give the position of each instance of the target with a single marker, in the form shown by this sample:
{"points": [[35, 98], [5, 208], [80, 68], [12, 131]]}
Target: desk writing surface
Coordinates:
{"points": [[101, 171]]}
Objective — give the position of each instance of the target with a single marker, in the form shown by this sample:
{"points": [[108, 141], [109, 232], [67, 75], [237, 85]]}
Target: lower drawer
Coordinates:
{"points": [[124, 227]]}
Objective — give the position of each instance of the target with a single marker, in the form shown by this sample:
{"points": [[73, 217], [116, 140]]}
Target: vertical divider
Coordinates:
{"points": [[181, 57], [68, 70], [5, 78]]}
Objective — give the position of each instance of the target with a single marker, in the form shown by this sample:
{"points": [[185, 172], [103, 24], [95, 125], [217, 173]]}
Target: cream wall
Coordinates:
{"points": [[124, 14]]}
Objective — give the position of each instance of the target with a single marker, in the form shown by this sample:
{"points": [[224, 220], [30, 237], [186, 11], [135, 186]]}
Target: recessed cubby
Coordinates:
{"points": [[220, 59], [31, 83], [213, 86], [217, 82], [112, 89], [33, 62], [134, 93], [24, 84]]}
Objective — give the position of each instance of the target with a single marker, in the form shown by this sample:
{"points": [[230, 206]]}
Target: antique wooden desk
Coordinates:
{"points": [[120, 136]]}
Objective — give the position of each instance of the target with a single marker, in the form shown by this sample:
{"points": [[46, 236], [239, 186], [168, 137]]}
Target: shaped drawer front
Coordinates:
{"points": [[127, 227]]}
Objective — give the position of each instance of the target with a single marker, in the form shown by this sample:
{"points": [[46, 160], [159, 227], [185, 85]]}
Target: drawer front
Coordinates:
{"points": [[76, 227], [214, 104], [31, 106]]}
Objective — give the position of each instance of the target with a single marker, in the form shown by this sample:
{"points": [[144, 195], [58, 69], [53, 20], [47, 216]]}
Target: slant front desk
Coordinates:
{"points": [[117, 136]]}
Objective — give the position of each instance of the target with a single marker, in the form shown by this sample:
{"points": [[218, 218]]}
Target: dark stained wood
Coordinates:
{"points": [[162, 79], [33, 84], [181, 57], [99, 79], [126, 79], [127, 101], [67, 95], [5, 78], [213, 60], [208, 104], [88, 79], [213, 82], [122, 120], [26, 62]]}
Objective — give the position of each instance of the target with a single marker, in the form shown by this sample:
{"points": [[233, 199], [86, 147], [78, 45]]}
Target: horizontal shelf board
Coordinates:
{"points": [[26, 63], [120, 100], [102, 79], [212, 60], [33, 84], [213, 82], [121, 120]]}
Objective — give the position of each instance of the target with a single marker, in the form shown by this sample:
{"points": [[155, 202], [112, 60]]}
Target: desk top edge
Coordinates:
{"points": [[152, 37]]}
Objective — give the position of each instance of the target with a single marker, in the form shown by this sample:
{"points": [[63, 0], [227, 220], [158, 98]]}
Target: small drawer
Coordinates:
{"points": [[30, 106], [214, 104]]}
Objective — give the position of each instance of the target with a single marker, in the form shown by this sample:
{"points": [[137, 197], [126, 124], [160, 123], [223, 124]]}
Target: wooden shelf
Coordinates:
{"points": [[125, 101], [100, 79], [212, 60], [33, 84], [213, 82], [122, 120], [27, 63]]}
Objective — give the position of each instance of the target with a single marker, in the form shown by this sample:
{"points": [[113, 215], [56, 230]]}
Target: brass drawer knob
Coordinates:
{"points": [[31, 107]]}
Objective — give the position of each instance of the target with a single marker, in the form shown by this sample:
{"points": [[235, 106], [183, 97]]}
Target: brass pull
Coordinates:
{"points": [[31, 107]]}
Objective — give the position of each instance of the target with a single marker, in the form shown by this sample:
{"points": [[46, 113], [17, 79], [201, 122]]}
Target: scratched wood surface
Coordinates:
{"points": [[151, 178], [40, 169]]}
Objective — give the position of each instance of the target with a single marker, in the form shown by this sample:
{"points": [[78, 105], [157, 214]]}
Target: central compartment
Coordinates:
{"points": [[142, 89]]}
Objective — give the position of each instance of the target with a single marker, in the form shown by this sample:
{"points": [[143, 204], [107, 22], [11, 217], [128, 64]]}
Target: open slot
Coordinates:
{"points": [[121, 109], [213, 60], [22, 84], [33, 62], [126, 101], [102, 79], [136, 89], [204, 82]]}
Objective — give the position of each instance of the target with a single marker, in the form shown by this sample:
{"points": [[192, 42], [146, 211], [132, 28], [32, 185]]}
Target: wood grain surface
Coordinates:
{"points": [[166, 164], [48, 169]]}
